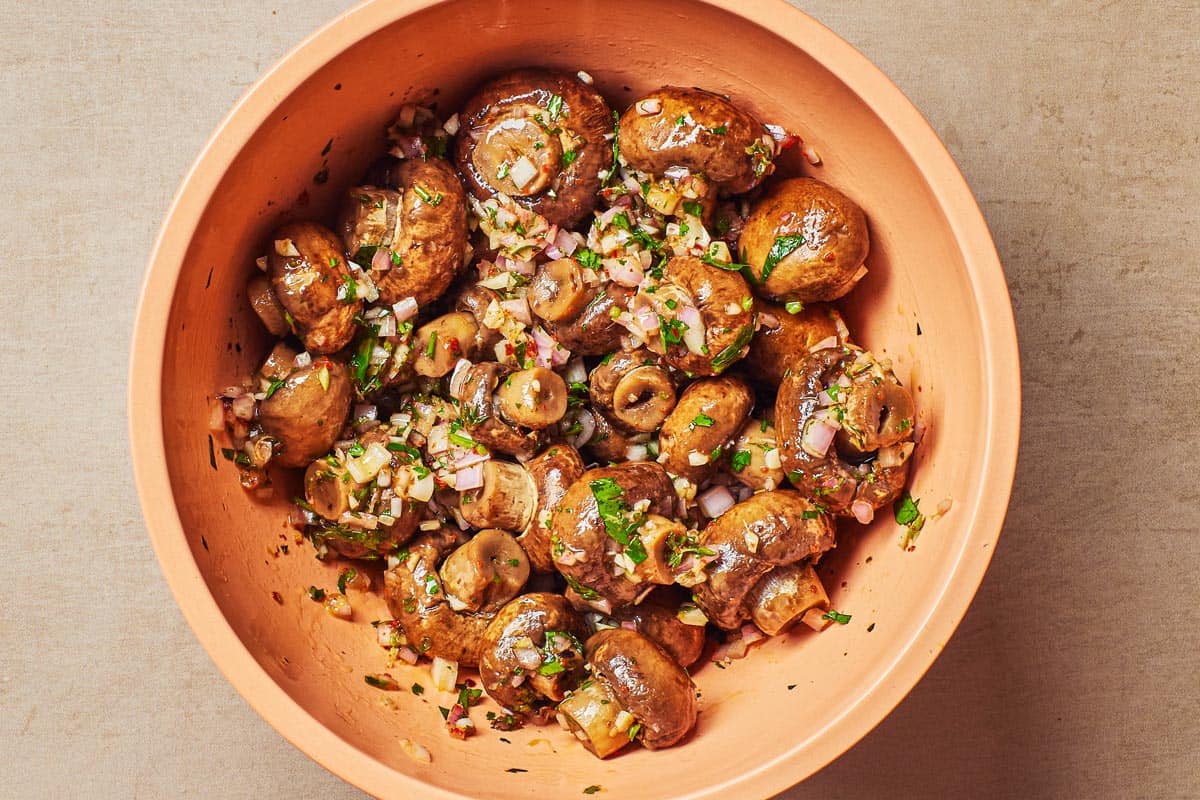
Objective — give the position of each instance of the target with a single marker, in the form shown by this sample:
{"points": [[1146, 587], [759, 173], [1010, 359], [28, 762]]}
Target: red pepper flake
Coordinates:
{"points": [[830, 257], [791, 140]]}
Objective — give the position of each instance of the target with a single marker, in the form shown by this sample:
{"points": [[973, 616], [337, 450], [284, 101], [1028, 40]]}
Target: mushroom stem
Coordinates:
{"points": [[535, 398], [654, 533], [506, 500], [591, 712], [783, 596], [487, 571], [643, 398]]}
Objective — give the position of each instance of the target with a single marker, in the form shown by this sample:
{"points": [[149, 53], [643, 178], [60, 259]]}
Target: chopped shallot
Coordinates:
{"points": [[715, 502]]}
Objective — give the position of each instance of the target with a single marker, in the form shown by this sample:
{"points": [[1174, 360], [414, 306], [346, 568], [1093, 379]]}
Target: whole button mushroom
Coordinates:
{"points": [[844, 399], [708, 322], [636, 693], [532, 652], [441, 342], [539, 137], [552, 472], [785, 337], [699, 131], [610, 530], [506, 500], [533, 398], [633, 389], [481, 412], [423, 249], [311, 280], [767, 530], [305, 413], [709, 415], [559, 290], [805, 241], [415, 597], [485, 573], [594, 331], [657, 618]]}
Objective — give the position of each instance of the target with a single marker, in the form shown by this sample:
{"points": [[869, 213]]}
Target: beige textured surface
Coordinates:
{"points": [[1074, 674]]}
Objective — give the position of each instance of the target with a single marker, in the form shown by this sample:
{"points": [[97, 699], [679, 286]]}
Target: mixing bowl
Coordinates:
{"points": [[935, 302]]}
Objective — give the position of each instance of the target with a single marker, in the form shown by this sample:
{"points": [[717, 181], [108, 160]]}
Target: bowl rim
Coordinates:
{"points": [[908, 665]]}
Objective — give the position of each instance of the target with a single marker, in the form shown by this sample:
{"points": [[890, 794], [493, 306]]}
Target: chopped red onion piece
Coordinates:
{"points": [[405, 309], [566, 242], [830, 341], [629, 625], [243, 407], [407, 654], [817, 438], [518, 309], [587, 429], [302, 360], [862, 511], [469, 478], [624, 271], [716, 501]]}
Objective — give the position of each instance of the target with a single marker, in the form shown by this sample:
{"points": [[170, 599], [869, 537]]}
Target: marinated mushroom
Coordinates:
{"points": [[708, 322], [306, 411], [845, 428], [633, 389], [700, 132], [658, 619], [805, 241], [532, 398], [423, 252], [560, 290], [415, 598], [481, 415], [785, 595], [532, 652], [506, 500], [785, 337], [266, 306], [552, 472], [755, 459], [636, 693], [311, 279], [484, 573], [594, 331], [767, 530], [597, 532], [441, 342], [709, 414], [539, 137]]}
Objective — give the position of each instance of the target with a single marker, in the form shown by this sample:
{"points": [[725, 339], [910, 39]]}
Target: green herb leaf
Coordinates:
{"points": [[418, 689], [423, 193], [783, 247], [587, 258], [346, 575], [740, 460], [592, 789], [693, 207], [555, 107], [384, 682], [317, 595], [840, 619], [276, 384], [568, 157], [702, 421], [732, 353], [793, 306], [909, 515]]}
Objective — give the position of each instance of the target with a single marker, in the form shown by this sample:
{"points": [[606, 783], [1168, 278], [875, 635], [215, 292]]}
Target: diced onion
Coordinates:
{"points": [[302, 360], [421, 489], [415, 751], [831, 341], [697, 459], [367, 466], [444, 674], [689, 614], [649, 107], [715, 502], [469, 478], [771, 459], [817, 438], [636, 452], [518, 309], [693, 334], [585, 77], [451, 126], [522, 172], [405, 309]]}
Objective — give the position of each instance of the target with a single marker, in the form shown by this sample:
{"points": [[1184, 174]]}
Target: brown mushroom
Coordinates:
{"points": [[306, 412], [657, 618], [485, 573], [755, 460], [539, 137], [594, 331], [844, 398], [805, 241], [699, 131], [597, 544], [506, 500], [312, 281], [719, 302], [482, 419], [531, 652], [710, 413], [414, 595], [784, 337], [608, 443], [559, 290], [767, 530], [634, 390], [637, 693], [552, 472], [266, 306], [532, 398], [784, 595], [424, 252], [370, 220], [475, 299], [441, 342]]}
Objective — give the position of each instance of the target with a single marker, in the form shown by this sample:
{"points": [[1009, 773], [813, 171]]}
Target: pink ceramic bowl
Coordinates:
{"points": [[932, 263]]}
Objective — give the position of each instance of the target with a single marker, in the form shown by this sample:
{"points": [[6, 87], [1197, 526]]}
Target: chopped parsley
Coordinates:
{"points": [[909, 515], [620, 522], [555, 107], [839, 618], [740, 460], [702, 421], [277, 384], [693, 207], [418, 689], [432, 344], [671, 331], [423, 193], [502, 173], [316, 595], [595, 787], [783, 247], [588, 258], [680, 545], [346, 575], [568, 157]]}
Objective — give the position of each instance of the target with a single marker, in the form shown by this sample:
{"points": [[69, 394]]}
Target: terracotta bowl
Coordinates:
{"points": [[308, 129]]}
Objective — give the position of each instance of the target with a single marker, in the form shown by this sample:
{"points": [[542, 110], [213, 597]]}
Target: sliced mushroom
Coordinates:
{"points": [[532, 652], [633, 675], [311, 279], [805, 241], [767, 530], [539, 137], [485, 573], [634, 390], [710, 413]]}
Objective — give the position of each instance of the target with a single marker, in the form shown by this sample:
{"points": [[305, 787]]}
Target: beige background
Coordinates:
{"points": [[1075, 672]]}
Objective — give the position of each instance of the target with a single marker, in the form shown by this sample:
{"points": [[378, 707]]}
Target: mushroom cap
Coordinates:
{"points": [[646, 683], [530, 617]]}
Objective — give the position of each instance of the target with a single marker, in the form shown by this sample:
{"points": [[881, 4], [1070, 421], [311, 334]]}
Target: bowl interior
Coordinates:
{"points": [[314, 142]]}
